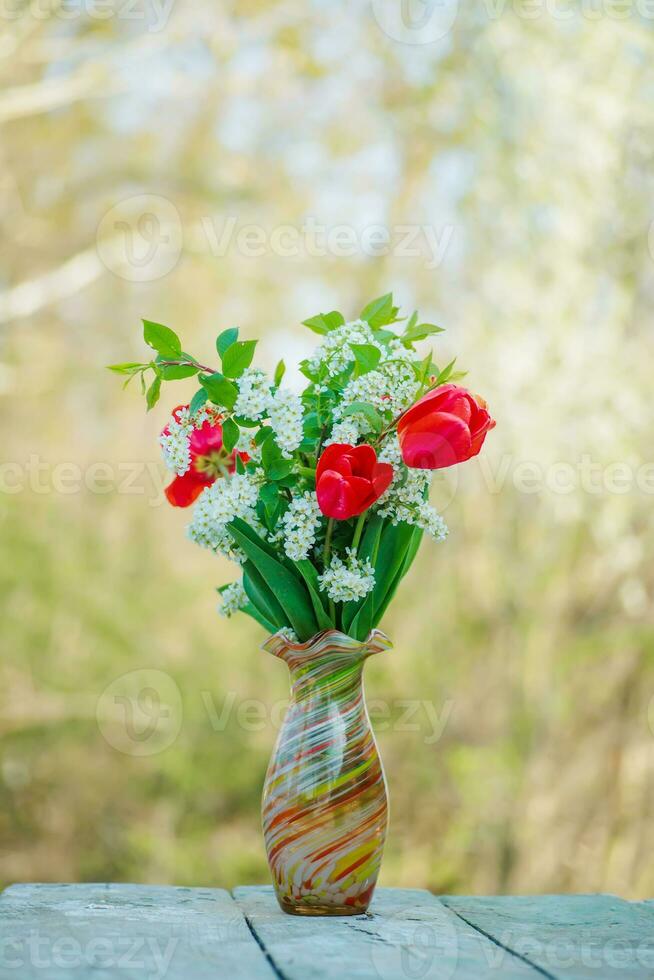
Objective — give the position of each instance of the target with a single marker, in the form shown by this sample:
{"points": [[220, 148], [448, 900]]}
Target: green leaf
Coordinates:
{"points": [[445, 373], [226, 339], [197, 401], [175, 372], [369, 412], [271, 502], [391, 555], [324, 322], [366, 357], [333, 319], [310, 576], [220, 390], [280, 469], [162, 339], [231, 432], [419, 331], [274, 464], [380, 311], [367, 550], [250, 610], [317, 324], [153, 392], [280, 371], [237, 357], [262, 597], [130, 367], [410, 554], [240, 466], [265, 432], [290, 592]]}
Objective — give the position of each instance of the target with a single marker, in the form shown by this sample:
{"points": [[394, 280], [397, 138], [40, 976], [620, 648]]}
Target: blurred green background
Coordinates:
{"points": [[173, 161]]}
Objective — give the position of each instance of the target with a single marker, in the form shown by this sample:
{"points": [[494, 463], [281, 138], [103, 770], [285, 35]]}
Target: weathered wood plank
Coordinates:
{"points": [[569, 937], [131, 932], [407, 933]]}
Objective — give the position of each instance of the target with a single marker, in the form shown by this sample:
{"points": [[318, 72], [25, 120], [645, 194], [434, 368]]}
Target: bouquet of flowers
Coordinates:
{"points": [[321, 497]]}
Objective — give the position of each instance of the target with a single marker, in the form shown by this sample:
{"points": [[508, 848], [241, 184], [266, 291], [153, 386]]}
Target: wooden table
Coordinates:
{"points": [[133, 932]]}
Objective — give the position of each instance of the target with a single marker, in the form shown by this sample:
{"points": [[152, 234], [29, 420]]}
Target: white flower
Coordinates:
{"points": [[391, 389], [335, 352], [232, 599], [286, 418], [349, 580], [299, 526], [227, 498], [176, 443], [346, 432], [253, 394], [406, 498], [246, 444], [390, 452]]}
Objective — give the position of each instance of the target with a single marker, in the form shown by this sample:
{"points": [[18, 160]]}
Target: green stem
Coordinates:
{"points": [[190, 362], [358, 530], [325, 557], [328, 542]]}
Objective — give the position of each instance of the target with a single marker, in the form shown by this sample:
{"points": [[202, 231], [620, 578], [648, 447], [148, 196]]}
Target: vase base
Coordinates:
{"points": [[321, 910]]}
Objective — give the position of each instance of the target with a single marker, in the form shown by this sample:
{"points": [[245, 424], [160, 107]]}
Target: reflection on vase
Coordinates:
{"points": [[325, 807]]}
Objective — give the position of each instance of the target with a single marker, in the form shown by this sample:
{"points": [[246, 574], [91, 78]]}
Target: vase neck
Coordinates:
{"points": [[329, 664]]}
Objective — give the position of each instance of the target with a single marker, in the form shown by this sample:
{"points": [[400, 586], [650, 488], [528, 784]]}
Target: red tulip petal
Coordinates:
{"points": [[484, 425], [184, 490], [448, 398], [362, 495], [206, 440], [437, 441], [363, 459], [382, 476], [333, 495], [331, 459]]}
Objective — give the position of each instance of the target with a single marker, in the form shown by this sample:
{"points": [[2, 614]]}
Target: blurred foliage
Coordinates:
{"points": [[530, 632]]}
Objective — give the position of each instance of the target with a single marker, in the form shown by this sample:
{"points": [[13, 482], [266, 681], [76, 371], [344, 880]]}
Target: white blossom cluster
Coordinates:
{"points": [[335, 352], [299, 526], [392, 387], [246, 444], [405, 498], [175, 444], [347, 432], [349, 580], [286, 418], [227, 498], [253, 394], [232, 599]]}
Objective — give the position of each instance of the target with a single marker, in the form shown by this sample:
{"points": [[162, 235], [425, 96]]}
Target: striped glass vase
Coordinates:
{"points": [[325, 807]]}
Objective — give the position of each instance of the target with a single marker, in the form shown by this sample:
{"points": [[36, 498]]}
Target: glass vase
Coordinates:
{"points": [[325, 806]]}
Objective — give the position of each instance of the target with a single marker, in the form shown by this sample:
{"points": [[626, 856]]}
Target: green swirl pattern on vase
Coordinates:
{"points": [[325, 807]]}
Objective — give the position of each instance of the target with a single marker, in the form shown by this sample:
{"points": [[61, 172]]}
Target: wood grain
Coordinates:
{"points": [[125, 932], [405, 934], [571, 937]]}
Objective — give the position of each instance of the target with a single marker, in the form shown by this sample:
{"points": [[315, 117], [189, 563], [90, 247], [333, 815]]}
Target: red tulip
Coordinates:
{"points": [[349, 480], [447, 425], [208, 461]]}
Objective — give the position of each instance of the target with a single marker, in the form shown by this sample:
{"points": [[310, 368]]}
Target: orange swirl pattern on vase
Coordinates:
{"points": [[325, 807]]}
